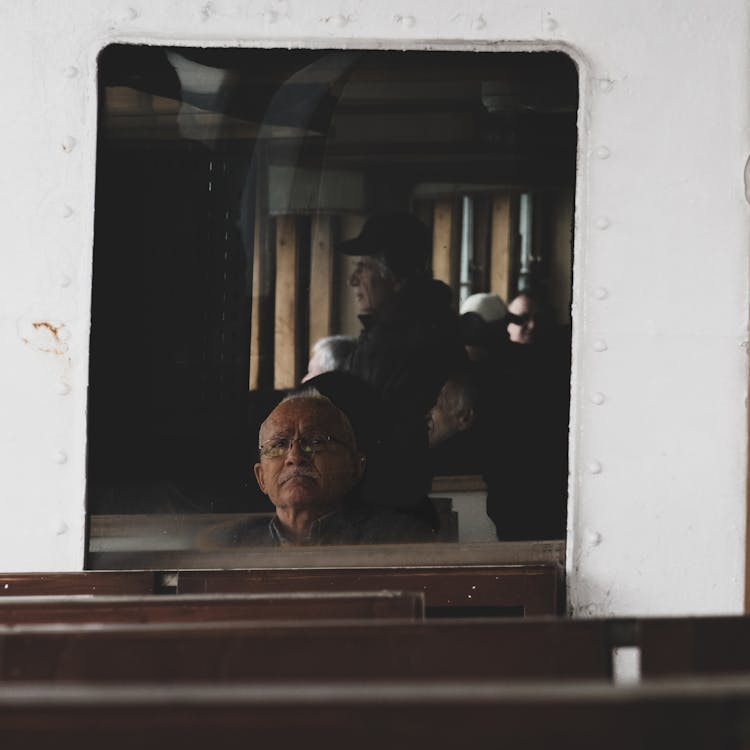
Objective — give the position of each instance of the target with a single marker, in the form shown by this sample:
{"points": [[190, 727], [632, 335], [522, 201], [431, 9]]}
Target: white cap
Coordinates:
{"points": [[489, 307]]}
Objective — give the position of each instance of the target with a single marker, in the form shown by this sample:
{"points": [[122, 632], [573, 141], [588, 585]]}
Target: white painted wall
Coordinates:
{"points": [[661, 268]]}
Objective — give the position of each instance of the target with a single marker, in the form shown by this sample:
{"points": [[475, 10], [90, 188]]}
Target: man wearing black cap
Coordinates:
{"points": [[409, 344]]}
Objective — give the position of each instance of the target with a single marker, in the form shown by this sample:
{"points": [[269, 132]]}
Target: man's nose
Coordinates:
{"points": [[295, 455]]}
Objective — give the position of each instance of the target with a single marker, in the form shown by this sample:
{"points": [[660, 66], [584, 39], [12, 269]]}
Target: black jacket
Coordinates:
{"points": [[407, 350]]}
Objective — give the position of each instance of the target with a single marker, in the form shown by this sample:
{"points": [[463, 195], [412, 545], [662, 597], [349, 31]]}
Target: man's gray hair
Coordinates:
{"points": [[310, 393]]}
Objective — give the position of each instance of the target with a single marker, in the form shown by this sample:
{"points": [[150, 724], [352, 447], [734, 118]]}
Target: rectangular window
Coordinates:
{"points": [[226, 179]]}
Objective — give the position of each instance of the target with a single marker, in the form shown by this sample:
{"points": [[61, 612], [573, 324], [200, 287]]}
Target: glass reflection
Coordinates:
{"points": [[253, 203]]}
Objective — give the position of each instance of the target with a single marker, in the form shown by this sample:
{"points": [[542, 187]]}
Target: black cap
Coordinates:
{"points": [[400, 240]]}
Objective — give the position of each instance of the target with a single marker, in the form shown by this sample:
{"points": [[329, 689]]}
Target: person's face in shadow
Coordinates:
{"points": [[372, 283], [522, 327]]}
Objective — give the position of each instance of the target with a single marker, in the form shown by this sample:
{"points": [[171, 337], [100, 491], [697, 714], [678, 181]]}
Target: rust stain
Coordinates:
{"points": [[46, 338], [42, 324]]}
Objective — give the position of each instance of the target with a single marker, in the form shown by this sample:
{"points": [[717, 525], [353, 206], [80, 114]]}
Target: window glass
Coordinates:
{"points": [[229, 182]]}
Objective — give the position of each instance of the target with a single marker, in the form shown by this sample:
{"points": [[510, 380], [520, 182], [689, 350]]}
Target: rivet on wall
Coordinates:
{"points": [[595, 467], [132, 14], [270, 16], [601, 293], [63, 389], [339, 21], [407, 22], [71, 71], [602, 152], [606, 85], [64, 281], [600, 345], [66, 211], [549, 24], [60, 457], [68, 144], [602, 222], [478, 23], [593, 538], [597, 398]]}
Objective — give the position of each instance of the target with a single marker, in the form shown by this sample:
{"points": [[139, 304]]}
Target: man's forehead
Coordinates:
{"points": [[303, 413]]}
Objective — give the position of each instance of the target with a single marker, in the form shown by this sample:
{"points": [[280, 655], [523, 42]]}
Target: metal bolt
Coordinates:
{"points": [[67, 211], [603, 152], [602, 222], [605, 85], [478, 23], [597, 398], [270, 16], [595, 467], [549, 24], [601, 293], [68, 144], [71, 71], [63, 389], [60, 457], [600, 345]]}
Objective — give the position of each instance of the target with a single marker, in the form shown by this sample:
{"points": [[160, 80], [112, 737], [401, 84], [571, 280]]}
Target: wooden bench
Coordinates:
{"points": [[482, 590], [96, 582], [673, 646], [440, 716], [331, 650], [212, 608]]}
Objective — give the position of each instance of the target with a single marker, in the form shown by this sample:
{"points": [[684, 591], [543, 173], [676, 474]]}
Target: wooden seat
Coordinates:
{"points": [[483, 590], [439, 715], [331, 650], [96, 582], [674, 646], [212, 607]]}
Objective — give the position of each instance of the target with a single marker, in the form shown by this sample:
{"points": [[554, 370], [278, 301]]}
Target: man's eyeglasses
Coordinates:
{"points": [[277, 447]]}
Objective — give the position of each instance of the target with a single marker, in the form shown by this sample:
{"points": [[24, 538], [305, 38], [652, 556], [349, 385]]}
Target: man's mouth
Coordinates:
{"points": [[298, 474]]}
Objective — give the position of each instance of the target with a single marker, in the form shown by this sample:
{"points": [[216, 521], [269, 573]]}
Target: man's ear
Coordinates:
{"points": [[465, 419], [258, 469]]}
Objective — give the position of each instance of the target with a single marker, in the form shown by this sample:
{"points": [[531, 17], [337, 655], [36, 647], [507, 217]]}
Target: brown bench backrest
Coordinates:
{"points": [[212, 607], [438, 716], [526, 590], [317, 650], [97, 582], [694, 645]]}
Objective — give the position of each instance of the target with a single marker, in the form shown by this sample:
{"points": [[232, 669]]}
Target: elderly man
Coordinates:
{"points": [[308, 466], [409, 344]]}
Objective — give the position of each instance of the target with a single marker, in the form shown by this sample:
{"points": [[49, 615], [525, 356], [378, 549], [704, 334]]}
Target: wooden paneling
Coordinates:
{"points": [[445, 246], [285, 317], [321, 278], [503, 241]]}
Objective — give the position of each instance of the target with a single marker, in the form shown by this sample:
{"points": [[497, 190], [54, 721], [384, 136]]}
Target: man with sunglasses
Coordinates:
{"points": [[521, 318], [308, 466]]}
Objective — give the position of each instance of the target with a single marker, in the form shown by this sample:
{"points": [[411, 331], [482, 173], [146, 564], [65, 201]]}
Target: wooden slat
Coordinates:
{"points": [[88, 582], [513, 590], [694, 645], [321, 278], [255, 322], [442, 233], [285, 317], [211, 608], [502, 245], [440, 715], [330, 650]]}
